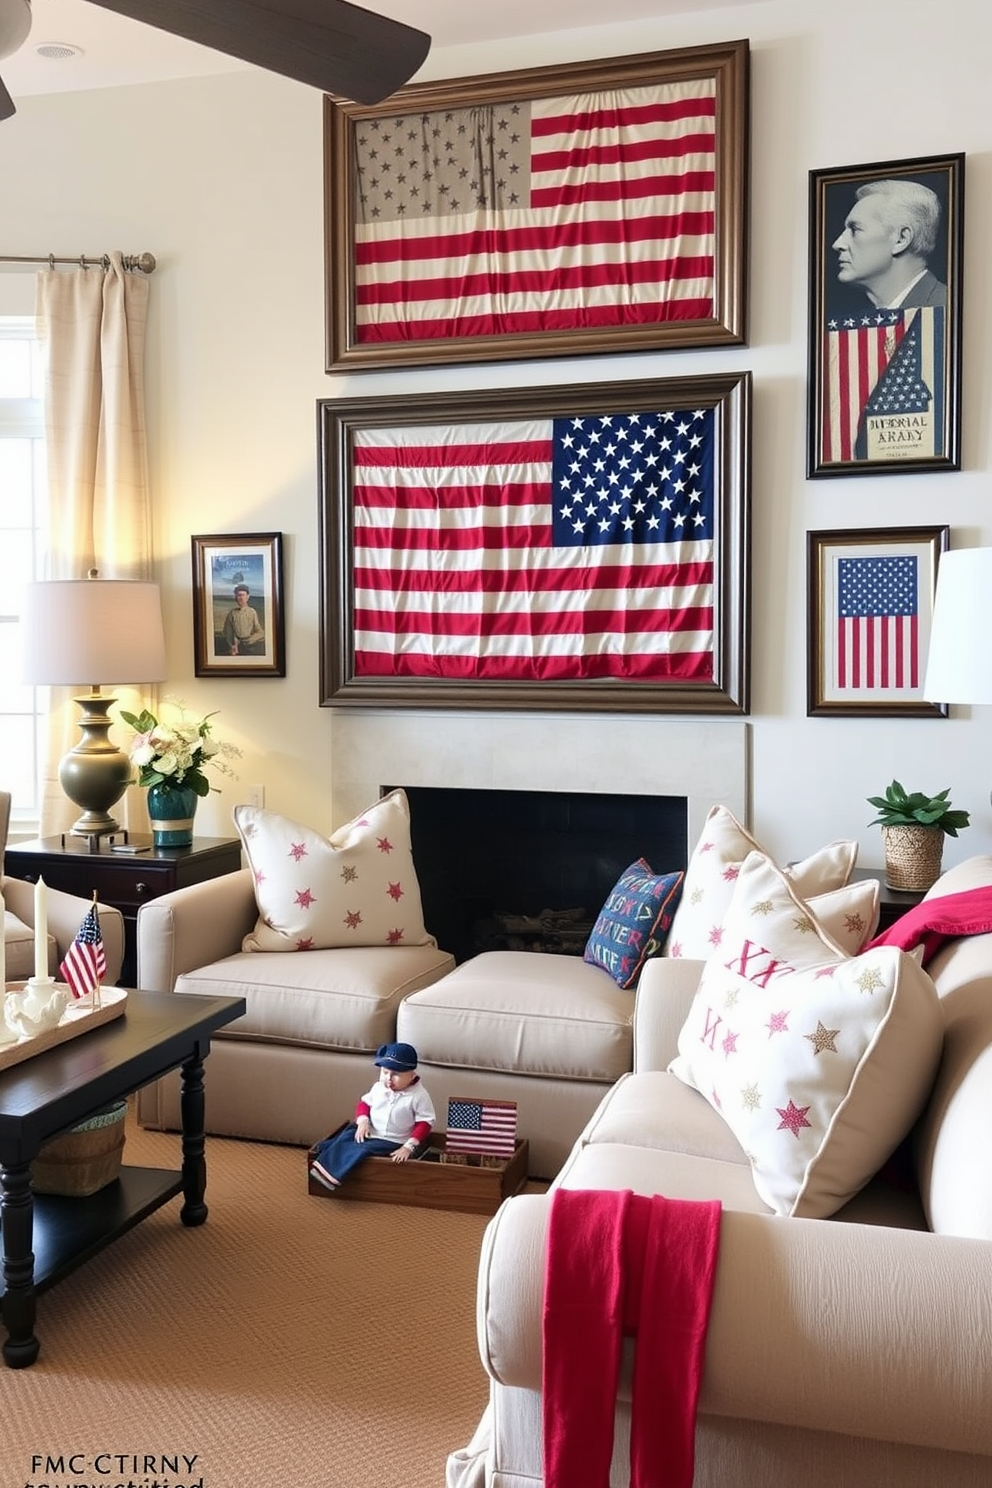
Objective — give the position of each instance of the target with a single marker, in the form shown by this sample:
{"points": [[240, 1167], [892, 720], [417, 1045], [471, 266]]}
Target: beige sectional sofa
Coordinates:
{"points": [[849, 1351], [549, 1032]]}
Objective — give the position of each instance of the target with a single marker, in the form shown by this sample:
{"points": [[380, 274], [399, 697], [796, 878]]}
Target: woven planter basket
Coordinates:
{"points": [[912, 856], [83, 1159]]}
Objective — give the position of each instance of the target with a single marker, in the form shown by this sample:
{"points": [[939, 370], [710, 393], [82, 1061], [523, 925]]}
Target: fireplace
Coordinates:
{"points": [[530, 869]]}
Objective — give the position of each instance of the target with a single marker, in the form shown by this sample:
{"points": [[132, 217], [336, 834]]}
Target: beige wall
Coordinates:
{"points": [[221, 178]]}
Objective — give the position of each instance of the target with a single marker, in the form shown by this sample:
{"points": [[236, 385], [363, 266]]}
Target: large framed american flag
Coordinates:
{"points": [[871, 594], [565, 547], [588, 207], [885, 247]]}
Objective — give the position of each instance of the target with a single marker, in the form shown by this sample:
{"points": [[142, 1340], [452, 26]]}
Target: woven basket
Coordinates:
{"points": [[912, 856], [83, 1159]]}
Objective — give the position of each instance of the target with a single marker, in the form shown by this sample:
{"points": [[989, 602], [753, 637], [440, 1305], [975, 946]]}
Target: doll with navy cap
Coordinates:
{"points": [[391, 1120]]}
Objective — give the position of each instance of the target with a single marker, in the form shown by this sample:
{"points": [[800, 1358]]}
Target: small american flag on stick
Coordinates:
{"points": [[484, 1126], [85, 963]]}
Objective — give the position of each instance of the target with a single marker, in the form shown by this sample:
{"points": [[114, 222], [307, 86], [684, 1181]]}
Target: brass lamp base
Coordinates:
{"points": [[95, 774]]}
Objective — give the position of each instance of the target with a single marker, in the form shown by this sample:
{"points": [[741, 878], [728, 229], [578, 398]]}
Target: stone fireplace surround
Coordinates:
{"points": [[702, 761]]}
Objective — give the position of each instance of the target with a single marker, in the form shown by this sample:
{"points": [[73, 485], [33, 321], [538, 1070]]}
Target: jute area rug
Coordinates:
{"points": [[290, 1340]]}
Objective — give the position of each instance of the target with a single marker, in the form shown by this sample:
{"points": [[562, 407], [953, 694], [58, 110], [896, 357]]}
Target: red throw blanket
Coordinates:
{"points": [[935, 920], [618, 1263]]}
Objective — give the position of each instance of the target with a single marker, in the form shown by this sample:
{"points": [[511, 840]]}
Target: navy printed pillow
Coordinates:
{"points": [[634, 922]]}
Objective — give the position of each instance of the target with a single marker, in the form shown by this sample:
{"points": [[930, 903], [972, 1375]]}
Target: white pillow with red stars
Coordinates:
{"points": [[355, 888], [818, 1062], [712, 872]]}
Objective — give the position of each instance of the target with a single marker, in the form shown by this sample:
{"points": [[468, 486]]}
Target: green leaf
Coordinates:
{"points": [[899, 808]]}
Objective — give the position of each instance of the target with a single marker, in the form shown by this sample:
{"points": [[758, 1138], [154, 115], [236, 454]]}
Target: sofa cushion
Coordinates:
{"points": [[18, 941], [654, 1109], [712, 872], [955, 1182], [634, 922], [333, 999], [357, 887], [649, 1170], [526, 1012], [849, 915], [817, 1061]]}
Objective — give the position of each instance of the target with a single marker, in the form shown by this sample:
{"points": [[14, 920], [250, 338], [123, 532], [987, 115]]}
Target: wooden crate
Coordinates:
{"points": [[428, 1183]]}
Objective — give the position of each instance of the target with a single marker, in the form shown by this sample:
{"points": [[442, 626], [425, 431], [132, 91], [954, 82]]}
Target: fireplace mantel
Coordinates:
{"points": [[705, 760]]}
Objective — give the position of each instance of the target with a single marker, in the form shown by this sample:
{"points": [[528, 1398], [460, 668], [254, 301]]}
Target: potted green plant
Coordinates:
{"points": [[913, 828]]}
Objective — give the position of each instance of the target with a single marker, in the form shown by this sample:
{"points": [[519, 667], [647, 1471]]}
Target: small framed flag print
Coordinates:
{"points": [[871, 594], [481, 1127]]}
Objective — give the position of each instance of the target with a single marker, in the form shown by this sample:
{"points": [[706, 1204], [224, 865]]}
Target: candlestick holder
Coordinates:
{"points": [[37, 1008]]}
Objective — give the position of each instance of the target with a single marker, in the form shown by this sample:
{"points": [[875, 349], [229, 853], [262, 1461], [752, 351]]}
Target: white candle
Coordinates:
{"points": [[41, 931], [3, 950]]}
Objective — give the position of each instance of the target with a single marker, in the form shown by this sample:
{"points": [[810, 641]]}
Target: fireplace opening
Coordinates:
{"points": [[530, 870]]}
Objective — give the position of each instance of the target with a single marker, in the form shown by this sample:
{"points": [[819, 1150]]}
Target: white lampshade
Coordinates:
{"points": [[92, 631], [959, 664]]}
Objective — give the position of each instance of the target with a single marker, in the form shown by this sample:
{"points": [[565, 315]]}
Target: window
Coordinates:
{"points": [[23, 543]]}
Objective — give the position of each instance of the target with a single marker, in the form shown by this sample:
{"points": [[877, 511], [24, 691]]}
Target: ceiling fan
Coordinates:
{"points": [[330, 44]]}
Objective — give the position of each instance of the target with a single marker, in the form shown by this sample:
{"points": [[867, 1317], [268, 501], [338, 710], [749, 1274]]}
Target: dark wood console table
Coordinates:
{"points": [[124, 881], [47, 1236]]}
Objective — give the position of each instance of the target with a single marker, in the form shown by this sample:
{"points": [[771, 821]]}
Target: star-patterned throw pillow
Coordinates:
{"points": [[634, 921], [355, 888], [818, 1062], [712, 872]]}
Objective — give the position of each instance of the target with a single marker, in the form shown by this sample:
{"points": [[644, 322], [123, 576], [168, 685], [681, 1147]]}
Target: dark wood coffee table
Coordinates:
{"points": [[46, 1236]]}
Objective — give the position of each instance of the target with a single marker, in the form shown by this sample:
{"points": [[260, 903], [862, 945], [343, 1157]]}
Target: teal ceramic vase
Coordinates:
{"points": [[171, 809]]}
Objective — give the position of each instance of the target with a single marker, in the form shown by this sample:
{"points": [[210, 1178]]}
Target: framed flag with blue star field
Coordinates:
{"points": [[595, 206], [871, 592], [885, 248], [570, 547]]}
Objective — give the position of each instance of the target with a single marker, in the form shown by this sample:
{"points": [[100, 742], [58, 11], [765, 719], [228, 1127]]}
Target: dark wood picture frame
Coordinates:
{"points": [[222, 563], [396, 677], [870, 597], [457, 317], [884, 358]]}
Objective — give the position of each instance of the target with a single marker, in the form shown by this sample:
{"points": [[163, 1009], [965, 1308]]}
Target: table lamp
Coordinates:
{"points": [[959, 663], [76, 629]]}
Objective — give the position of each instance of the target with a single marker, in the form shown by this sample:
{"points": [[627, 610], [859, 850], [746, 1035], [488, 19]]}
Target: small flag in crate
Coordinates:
{"points": [[486, 1126], [85, 964]]}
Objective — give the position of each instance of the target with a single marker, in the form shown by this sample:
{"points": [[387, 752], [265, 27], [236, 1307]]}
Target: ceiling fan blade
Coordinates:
{"points": [[330, 44], [6, 103]]}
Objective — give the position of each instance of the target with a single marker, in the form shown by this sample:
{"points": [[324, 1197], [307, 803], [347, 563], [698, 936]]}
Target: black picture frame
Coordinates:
{"points": [[402, 678], [885, 371], [871, 665], [221, 563], [459, 305]]}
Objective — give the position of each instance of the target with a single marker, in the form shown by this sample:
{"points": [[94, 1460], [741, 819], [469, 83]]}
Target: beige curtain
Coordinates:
{"points": [[92, 324]]}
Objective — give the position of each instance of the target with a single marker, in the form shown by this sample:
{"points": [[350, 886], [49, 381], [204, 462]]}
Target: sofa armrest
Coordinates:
{"points": [[193, 927], [665, 991], [817, 1324], [66, 913]]}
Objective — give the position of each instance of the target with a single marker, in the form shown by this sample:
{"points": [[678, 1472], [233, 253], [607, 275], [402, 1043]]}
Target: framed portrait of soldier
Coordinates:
{"points": [[885, 250], [238, 619]]}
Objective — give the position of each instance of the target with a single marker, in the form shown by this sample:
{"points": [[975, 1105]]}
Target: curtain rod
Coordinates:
{"points": [[143, 261]]}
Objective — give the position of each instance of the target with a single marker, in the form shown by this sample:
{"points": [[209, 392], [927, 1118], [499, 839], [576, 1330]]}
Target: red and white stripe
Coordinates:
{"points": [[455, 574], [619, 229]]}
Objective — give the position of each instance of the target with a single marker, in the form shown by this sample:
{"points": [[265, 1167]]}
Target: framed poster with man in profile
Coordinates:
{"points": [[885, 317]]}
